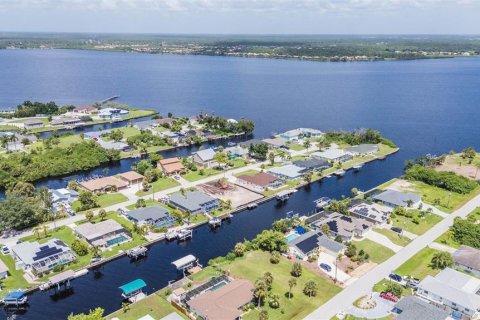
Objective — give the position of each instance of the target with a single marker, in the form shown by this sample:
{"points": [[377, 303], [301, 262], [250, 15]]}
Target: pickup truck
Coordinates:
{"points": [[389, 296]]}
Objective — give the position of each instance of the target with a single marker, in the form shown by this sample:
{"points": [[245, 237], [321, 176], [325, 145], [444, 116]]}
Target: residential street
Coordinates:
{"points": [[363, 286]]}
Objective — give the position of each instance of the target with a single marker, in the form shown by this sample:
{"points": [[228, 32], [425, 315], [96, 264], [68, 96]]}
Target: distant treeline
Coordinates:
{"points": [[31, 109]]}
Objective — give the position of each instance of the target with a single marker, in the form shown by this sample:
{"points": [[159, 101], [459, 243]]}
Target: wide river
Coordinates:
{"points": [[425, 106]]}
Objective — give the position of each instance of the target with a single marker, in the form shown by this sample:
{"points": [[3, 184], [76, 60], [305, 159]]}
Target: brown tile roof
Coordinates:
{"points": [[86, 108], [223, 303], [171, 165], [468, 256], [165, 120], [102, 183], [260, 179], [131, 176]]}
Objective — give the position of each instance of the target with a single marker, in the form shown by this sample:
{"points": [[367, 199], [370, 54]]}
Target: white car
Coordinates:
{"points": [[5, 250]]}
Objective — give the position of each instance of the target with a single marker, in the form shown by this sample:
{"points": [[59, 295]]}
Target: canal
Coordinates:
{"points": [[101, 288]]}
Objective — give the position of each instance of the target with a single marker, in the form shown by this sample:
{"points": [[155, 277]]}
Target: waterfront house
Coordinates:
{"points": [[260, 181], [112, 113], [65, 121], [165, 122], [103, 184], [346, 227], [300, 133], [171, 166], [223, 303], [205, 158], [313, 164], [373, 212], [308, 243], [453, 290], [193, 202], [276, 143], [96, 135], [32, 124], [131, 177], [411, 307], [289, 172], [39, 258], [85, 110], [155, 216], [3, 270], [332, 155], [63, 195], [362, 149], [394, 198], [468, 259], [120, 146], [146, 124], [102, 234], [236, 152]]}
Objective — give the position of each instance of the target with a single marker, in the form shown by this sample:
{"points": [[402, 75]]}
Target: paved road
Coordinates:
{"points": [[363, 286]]}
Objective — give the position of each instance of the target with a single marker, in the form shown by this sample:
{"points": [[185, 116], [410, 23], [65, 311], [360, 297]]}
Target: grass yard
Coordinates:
{"points": [[250, 173], [6, 127], [447, 240], [148, 203], [384, 150], [380, 287], [159, 185], [383, 186], [419, 265], [296, 147], [104, 200], [154, 305], [426, 222], [394, 237], [256, 263], [377, 252], [127, 132], [15, 279], [440, 197], [289, 185], [195, 175], [65, 141]]}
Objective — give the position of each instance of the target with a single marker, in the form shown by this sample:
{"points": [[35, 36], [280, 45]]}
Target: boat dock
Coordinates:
{"points": [[215, 222], [339, 173], [15, 298], [62, 280], [133, 291], [138, 252], [188, 264], [108, 99], [284, 195]]}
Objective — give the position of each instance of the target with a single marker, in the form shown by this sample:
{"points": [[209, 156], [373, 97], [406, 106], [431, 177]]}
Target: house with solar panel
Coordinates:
{"points": [[312, 241], [372, 212], [346, 227], [39, 258]]}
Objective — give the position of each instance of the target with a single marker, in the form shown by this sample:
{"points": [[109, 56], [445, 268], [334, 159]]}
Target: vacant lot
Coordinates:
{"points": [[425, 223], [419, 265], [377, 252], [238, 195]]}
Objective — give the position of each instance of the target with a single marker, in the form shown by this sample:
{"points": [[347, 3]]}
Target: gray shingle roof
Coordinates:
{"points": [[192, 201], [468, 256], [397, 198], [206, 155], [307, 242], [152, 213], [413, 308], [312, 164]]}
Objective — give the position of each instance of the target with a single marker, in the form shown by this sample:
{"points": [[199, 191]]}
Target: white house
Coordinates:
{"points": [[394, 198], [205, 158]]}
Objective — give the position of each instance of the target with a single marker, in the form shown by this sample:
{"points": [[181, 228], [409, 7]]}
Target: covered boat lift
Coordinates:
{"points": [[15, 298], [59, 280], [188, 263], [133, 291]]}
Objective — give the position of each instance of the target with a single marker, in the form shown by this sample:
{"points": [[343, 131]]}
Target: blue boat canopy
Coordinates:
{"points": [[133, 286], [15, 295]]}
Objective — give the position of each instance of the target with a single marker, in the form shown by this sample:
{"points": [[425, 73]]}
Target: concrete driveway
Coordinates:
{"points": [[330, 260], [381, 310]]}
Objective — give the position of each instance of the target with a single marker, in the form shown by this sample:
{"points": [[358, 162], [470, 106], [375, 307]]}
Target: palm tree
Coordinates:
{"points": [[125, 307], [307, 144], [13, 138], [310, 288], [292, 282], [102, 214], [260, 291], [95, 250], [325, 229], [268, 279], [4, 140], [45, 230], [89, 215], [271, 158], [308, 177], [441, 260], [36, 231]]}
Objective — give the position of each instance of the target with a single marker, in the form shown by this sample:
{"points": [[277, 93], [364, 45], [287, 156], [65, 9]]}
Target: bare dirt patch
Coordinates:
{"points": [[228, 191], [461, 168], [401, 185]]}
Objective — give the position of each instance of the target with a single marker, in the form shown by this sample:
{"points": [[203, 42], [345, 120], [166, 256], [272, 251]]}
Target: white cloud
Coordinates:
{"points": [[231, 5]]}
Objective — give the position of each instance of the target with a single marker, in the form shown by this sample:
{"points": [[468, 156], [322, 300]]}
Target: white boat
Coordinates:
{"points": [[252, 206], [340, 173], [215, 222], [171, 235], [357, 167]]}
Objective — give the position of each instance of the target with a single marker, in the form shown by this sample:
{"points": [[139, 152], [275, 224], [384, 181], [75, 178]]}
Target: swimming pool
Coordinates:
{"points": [[114, 241], [217, 286], [292, 236]]}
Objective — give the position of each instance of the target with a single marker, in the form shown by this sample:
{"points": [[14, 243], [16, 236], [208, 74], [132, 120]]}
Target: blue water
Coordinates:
{"points": [[426, 106]]}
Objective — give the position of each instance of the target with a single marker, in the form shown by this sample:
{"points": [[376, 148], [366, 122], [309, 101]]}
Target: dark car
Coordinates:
{"points": [[396, 229], [325, 267], [395, 277]]}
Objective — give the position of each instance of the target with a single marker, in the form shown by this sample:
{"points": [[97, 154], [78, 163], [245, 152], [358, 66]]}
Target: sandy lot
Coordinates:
{"points": [[401, 185], [467, 170], [238, 195]]}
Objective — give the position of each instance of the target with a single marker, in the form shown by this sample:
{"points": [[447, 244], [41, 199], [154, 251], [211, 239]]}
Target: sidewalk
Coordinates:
{"points": [[383, 240]]}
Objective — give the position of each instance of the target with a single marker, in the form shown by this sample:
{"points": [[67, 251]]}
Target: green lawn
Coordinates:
{"points": [[250, 172], [154, 305], [419, 265], [447, 237], [289, 185], [384, 150], [15, 279], [148, 203], [432, 194], [6, 127], [380, 287], [256, 263], [426, 222], [383, 186], [394, 237], [127, 132], [377, 252], [159, 185], [104, 200], [195, 175], [296, 147]]}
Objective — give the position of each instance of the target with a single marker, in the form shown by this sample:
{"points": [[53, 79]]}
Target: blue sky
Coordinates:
{"points": [[243, 16]]}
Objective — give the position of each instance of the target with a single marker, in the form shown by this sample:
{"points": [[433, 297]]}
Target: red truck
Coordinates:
{"points": [[389, 296]]}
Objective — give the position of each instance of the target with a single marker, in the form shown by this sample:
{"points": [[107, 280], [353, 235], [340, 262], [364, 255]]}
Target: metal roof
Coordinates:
{"points": [[411, 307], [184, 261], [152, 213], [397, 198], [133, 286], [191, 201]]}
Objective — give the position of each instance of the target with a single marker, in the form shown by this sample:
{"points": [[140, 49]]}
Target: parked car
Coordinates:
{"points": [[395, 277], [389, 296], [325, 267], [396, 229], [5, 250]]}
